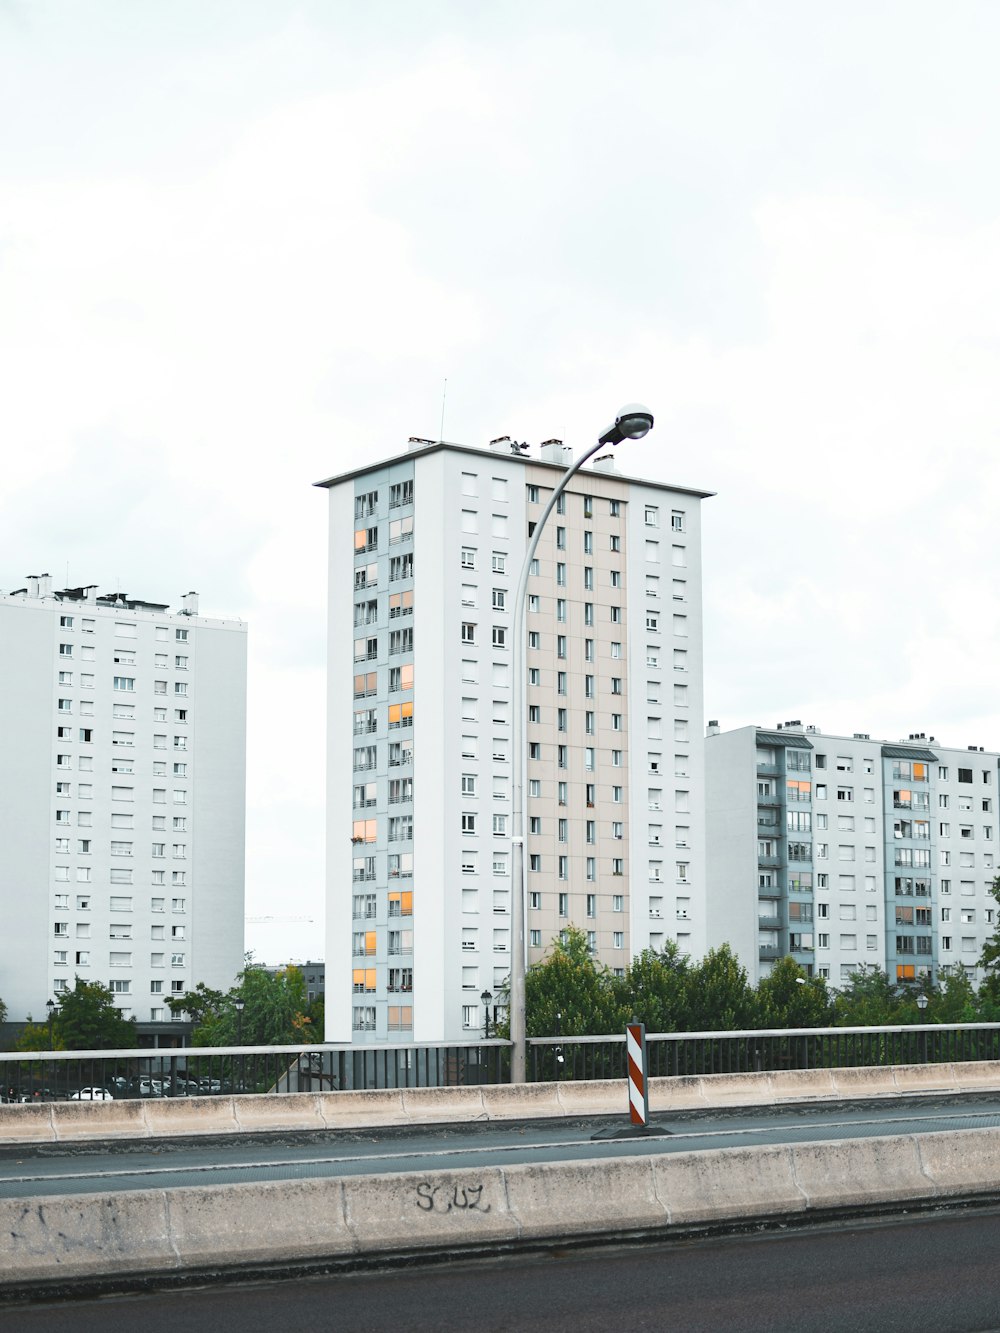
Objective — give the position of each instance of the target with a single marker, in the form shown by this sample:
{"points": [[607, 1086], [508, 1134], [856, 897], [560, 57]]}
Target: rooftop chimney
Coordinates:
{"points": [[189, 604], [39, 585], [554, 451]]}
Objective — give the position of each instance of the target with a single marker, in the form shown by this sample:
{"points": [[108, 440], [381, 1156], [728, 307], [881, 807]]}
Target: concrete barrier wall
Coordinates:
{"points": [[203, 1228], [185, 1116]]}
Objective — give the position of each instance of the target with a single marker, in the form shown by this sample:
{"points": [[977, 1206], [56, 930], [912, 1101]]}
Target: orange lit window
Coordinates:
{"points": [[370, 948], [401, 715], [400, 1017], [364, 830], [919, 772], [360, 538], [905, 972], [401, 904], [799, 789], [364, 980], [406, 677]]}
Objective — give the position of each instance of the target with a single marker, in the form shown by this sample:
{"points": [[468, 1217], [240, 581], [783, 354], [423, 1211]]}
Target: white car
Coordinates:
{"points": [[91, 1095]]}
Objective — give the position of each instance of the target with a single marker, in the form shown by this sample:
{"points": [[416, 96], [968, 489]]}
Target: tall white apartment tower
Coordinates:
{"points": [[425, 554], [122, 797]]}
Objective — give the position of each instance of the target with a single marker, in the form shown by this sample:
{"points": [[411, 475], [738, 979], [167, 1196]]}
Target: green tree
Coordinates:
{"points": [[721, 997], [275, 1010], [201, 1005], [568, 982], [87, 1019], [39, 1037], [870, 999], [989, 959], [953, 1001], [656, 990], [789, 999]]}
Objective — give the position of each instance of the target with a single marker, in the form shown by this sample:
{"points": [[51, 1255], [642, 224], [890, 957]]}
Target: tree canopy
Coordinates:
{"points": [[672, 993], [276, 1011], [87, 1019]]}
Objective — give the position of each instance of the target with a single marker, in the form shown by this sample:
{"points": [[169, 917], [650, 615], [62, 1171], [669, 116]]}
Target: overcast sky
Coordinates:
{"points": [[243, 244]]}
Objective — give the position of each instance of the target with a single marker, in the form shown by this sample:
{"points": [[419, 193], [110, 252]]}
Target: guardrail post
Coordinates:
{"points": [[636, 1074]]}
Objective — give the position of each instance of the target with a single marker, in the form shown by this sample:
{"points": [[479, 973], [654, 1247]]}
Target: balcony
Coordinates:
{"points": [[769, 923], [769, 862], [769, 951]]}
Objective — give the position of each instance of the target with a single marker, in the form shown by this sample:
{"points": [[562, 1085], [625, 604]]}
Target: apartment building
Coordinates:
{"points": [[425, 554], [123, 797], [841, 851]]}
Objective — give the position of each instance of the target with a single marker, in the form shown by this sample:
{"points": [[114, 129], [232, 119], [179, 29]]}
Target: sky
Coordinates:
{"points": [[246, 245]]}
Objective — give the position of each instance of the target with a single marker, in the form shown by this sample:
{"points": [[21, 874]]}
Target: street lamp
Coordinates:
{"points": [[51, 1007], [239, 1005], [632, 423], [487, 1000]]}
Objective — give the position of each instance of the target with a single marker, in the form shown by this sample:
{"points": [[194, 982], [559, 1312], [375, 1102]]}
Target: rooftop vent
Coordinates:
{"points": [[861, 736]]}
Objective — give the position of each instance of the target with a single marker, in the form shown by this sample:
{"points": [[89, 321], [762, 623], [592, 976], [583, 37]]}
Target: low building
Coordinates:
{"points": [[842, 851]]}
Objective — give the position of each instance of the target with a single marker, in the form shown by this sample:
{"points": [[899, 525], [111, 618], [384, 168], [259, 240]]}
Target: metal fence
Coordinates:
{"points": [[673, 1055], [202, 1071]]}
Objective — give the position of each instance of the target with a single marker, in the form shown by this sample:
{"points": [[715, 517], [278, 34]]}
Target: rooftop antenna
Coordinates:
{"points": [[444, 395]]}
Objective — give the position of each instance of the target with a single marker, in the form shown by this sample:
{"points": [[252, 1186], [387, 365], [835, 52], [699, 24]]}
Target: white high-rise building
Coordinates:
{"points": [[844, 851], [122, 798], [425, 553]]}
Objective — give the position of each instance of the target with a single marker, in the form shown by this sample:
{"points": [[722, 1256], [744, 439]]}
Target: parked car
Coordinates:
{"points": [[91, 1095], [144, 1087], [207, 1086]]}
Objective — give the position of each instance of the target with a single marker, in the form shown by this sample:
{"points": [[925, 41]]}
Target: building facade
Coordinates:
{"points": [[844, 851], [425, 554], [122, 813]]}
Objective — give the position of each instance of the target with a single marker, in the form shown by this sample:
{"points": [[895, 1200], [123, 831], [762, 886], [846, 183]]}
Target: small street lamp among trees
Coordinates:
{"points": [[487, 1000]]}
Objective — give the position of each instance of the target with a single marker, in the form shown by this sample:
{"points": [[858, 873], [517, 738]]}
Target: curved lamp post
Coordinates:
{"points": [[632, 423]]}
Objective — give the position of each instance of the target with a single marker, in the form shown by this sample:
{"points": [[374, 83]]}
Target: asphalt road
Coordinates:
{"points": [[141, 1164], [937, 1273]]}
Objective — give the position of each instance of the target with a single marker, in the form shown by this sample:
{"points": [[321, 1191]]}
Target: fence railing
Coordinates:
{"points": [[672, 1055], [192, 1071], [203, 1071]]}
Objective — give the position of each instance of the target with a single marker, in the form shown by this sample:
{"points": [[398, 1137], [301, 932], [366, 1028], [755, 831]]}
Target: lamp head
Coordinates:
{"points": [[239, 1005], [632, 423], [486, 997]]}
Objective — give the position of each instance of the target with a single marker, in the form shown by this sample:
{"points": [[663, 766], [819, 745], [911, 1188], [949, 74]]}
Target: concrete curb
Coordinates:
{"points": [[297, 1111], [158, 1232]]}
